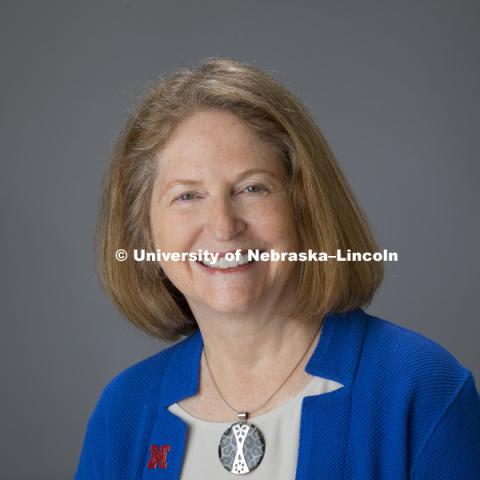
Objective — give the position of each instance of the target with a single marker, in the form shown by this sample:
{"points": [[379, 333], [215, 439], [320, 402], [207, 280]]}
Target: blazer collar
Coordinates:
{"points": [[335, 357]]}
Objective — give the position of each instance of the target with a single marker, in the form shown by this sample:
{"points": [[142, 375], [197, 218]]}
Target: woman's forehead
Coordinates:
{"points": [[215, 140], [213, 131]]}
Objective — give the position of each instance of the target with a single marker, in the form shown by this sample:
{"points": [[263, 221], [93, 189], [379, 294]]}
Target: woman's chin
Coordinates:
{"points": [[228, 305]]}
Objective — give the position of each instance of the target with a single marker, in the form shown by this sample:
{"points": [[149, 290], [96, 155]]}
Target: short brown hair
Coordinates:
{"points": [[327, 214]]}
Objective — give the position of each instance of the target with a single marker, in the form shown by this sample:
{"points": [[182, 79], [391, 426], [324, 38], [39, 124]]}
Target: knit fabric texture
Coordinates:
{"points": [[408, 410]]}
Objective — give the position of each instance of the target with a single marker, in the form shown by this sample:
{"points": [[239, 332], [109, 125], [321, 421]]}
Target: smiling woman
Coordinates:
{"points": [[240, 201], [224, 141], [282, 374]]}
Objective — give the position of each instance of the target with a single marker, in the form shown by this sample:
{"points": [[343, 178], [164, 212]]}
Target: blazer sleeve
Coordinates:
{"points": [[91, 463], [452, 448]]}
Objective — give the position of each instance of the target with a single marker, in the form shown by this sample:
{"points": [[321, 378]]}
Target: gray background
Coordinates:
{"points": [[393, 86]]}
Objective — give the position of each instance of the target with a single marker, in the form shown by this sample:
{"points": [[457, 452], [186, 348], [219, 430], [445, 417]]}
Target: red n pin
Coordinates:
{"points": [[158, 456]]}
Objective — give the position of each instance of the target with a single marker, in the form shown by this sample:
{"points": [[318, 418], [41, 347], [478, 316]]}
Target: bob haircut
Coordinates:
{"points": [[327, 214]]}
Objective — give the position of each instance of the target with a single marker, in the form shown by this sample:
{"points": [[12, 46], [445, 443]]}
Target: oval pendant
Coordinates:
{"points": [[241, 448]]}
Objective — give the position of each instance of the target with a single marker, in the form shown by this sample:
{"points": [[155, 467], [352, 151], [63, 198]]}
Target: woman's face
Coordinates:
{"points": [[220, 188]]}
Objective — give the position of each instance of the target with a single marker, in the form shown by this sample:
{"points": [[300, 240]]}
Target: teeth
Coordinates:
{"points": [[222, 263]]}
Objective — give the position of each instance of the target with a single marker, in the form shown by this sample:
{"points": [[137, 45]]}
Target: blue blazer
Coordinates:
{"points": [[407, 409]]}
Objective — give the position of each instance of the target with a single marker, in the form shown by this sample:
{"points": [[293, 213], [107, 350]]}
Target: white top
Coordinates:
{"points": [[280, 428]]}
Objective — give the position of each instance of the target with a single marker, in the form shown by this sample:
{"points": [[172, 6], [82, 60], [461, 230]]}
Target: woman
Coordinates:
{"points": [[282, 375]]}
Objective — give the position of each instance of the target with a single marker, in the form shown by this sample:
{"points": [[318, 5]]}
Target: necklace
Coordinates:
{"points": [[242, 445]]}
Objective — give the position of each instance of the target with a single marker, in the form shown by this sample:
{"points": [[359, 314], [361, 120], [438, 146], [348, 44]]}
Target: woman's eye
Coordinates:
{"points": [[185, 197], [256, 188]]}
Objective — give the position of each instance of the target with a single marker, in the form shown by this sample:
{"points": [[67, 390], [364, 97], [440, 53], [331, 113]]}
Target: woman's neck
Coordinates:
{"points": [[252, 344], [249, 364]]}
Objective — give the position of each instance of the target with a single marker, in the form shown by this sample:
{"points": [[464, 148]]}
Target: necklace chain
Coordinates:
{"points": [[274, 393]]}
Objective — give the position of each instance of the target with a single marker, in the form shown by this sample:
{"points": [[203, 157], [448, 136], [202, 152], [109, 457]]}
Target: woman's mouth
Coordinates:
{"points": [[238, 264]]}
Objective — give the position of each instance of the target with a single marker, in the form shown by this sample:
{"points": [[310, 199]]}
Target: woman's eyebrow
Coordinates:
{"points": [[252, 171], [246, 173], [181, 181]]}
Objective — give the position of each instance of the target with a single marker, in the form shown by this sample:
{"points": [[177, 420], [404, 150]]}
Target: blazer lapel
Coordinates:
{"points": [[166, 446], [325, 419]]}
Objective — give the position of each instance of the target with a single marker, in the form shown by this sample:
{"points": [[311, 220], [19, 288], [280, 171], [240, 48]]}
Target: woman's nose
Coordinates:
{"points": [[223, 221]]}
